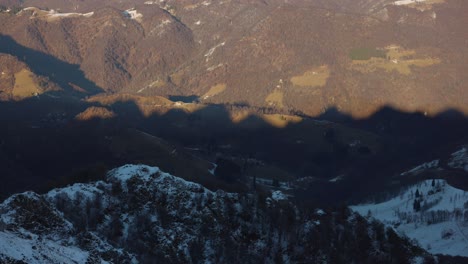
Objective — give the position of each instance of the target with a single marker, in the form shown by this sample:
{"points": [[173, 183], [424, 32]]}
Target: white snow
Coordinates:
{"points": [[151, 174], [337, 178], [142, 89], [126, 172], [278, 196], [133, 14], [212, 50], [428, 165], [88, 191], [459, 159], [408, 2], [212, 170], [160, 29], [320, 212], [442, 198], [39, 251], [60, 247], [212, 68], [54, 14]]}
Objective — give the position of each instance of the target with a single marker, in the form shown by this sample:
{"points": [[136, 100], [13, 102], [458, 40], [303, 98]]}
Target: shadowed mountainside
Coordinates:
{"points": [[68, 76], [43, 144]]}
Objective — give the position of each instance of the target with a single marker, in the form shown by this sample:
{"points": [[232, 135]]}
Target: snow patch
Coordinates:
{"points": [[88, 191], [212, 170], [459, 159], [428, 165], [408, 2], [212, 50], [442, 208], [212, 68], [53, 14], [336, 179], [126, 172], [37, 250], [161, 28], [278, 196], [133, 14], [150, 174], [320, 212]]}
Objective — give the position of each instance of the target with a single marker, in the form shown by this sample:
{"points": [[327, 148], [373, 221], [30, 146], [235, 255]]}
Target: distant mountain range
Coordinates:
{"points": [[356, 56]]}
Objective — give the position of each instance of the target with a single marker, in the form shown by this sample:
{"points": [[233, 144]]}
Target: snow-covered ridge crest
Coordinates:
{"points": [[425, 166], [459, 159], [151, 175], [53, 14], [57, 223]]}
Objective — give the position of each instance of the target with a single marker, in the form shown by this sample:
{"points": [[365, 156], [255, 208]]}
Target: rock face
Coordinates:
{"points": [[140, 214], [257, 50]]}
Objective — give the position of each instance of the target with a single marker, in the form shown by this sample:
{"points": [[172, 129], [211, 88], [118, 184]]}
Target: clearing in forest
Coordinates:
{"points": [[315, 77]]}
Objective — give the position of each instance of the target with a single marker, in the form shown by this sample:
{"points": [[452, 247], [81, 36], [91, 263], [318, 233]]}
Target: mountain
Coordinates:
{"points": [[430, 211], [439, 225], [17, 80], [276, 114], [139, 214], [357, 56]]}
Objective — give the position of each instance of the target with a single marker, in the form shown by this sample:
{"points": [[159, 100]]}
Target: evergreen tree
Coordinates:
{"points": [[417, 205]]}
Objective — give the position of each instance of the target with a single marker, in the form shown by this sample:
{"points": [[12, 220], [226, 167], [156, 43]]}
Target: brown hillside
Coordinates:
{"points": [[294, 55]]}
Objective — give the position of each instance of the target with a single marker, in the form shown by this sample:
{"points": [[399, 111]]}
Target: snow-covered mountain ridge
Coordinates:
{"points": [[140, 214], [431, 212]]}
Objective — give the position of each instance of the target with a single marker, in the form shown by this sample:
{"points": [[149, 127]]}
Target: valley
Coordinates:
{"points": [[235, 131]]}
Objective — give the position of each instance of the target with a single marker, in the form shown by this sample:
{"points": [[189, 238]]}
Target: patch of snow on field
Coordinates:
{"points": [[442, 212]]}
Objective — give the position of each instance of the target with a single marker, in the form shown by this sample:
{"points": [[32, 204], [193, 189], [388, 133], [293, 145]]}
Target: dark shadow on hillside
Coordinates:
{"points": [[40, 141], [182, 98], [58, 71]]}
